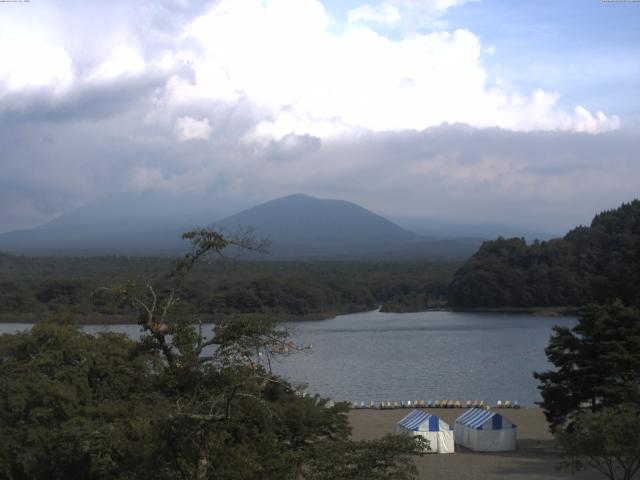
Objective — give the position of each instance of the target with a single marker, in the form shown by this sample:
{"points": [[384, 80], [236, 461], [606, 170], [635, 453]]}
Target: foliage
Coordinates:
{"points": [[590, 264], [607, 441], [367, 460], [74, 405], [597, 363], [179, 403], [46, 285]]}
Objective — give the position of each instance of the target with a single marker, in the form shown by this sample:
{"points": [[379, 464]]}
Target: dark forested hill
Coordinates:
{"points": [[589, 264]]}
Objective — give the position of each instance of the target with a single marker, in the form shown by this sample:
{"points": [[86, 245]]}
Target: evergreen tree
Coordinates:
{"points": [[597, 363]]}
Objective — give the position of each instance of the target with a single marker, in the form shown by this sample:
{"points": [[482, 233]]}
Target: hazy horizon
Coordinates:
{"points": [[463, 111], [195, 211]]}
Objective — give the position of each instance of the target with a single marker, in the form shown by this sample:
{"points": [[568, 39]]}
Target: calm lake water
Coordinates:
{"points": [[426, 355]]}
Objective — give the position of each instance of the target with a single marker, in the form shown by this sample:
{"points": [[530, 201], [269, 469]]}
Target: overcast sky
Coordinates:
{"points": [[470, 110]]}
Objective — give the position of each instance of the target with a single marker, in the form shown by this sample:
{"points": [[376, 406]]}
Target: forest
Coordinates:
{"points": [[35, 287], [590, 264]]}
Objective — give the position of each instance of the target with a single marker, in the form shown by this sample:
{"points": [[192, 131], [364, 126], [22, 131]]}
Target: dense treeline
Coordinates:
{"points": [[31, 287], [590, 264]]}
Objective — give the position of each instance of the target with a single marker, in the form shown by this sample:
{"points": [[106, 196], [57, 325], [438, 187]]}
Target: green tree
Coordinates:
{"points": [[597, 363], [366, 460], [74, 405], [181, 403], [607, 441]]}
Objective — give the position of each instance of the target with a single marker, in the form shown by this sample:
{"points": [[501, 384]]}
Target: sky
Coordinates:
{"points": [[526, 113]]}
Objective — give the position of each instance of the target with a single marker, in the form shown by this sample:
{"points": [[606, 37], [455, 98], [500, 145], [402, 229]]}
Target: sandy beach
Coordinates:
{"points": [[535, 458]]}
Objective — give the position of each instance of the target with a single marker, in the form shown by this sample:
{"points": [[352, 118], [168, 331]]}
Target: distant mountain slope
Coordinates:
{"points": [[298, 226], [124, 237], [126, 224], [590, 264], [302, 219], [303, 227]]}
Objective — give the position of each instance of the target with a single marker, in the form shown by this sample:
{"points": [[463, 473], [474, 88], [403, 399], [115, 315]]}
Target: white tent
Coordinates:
{"points": [[484, 431], [438, 434]]}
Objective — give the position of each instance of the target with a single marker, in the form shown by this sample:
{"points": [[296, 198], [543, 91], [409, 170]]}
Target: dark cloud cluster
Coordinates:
{"points": [[540, 179]]}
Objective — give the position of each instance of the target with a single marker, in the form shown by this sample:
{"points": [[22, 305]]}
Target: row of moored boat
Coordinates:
{"points": [[383, 405]]}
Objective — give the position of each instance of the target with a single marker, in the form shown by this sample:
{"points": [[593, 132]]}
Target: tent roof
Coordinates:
{"points": [[417, 418], [477, 418]]}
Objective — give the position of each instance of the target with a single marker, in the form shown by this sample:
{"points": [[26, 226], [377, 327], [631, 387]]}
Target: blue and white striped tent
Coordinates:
{"points": [[484, 431], [438, 433]]}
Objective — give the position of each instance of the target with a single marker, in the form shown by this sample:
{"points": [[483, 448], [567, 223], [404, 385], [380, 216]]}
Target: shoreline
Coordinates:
{"points": [[119, 319], [535, 311]]}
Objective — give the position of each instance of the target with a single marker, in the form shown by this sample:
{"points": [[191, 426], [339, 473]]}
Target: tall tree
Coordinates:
{"points": [[597, 363]]}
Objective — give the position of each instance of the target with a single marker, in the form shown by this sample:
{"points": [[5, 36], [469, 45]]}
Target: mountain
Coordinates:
{"points": [[589, 264], [302, 227], [313, 226], [150, 223], [124, 237], [297, 226]]}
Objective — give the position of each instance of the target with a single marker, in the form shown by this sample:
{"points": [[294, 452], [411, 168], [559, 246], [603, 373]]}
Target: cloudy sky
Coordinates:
{"points": [[488, 111]]}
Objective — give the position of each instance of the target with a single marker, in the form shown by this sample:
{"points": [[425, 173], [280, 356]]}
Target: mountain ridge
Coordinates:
{"points": [[299, 227]]}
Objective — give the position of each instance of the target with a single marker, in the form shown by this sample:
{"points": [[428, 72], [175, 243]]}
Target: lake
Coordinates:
{"points": [[412, 356]]}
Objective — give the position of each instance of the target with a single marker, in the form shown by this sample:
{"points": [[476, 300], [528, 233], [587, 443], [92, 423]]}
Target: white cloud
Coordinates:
{"points": [[285, 59], [437, 7], [123, 61], [383, 13], [413, 13], [191, 129], [585, 122], [433, 5], [43, 60], [282, 57], [32, 63], [31, 57]]}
